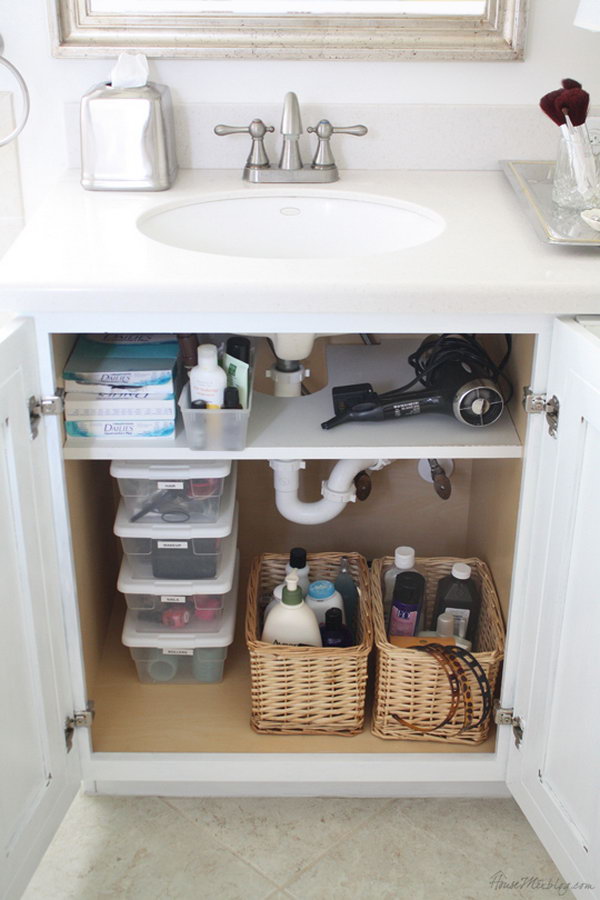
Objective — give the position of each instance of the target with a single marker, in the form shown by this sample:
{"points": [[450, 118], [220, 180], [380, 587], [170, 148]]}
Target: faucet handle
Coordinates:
{"points": [[324, 129], [257, 158]]}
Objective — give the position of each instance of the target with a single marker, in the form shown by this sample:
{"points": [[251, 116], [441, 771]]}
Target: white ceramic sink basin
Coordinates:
{"points": [[292, 224]]}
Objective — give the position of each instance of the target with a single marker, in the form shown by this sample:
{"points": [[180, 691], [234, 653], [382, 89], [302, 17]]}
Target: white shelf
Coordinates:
{"points": [[291, 428]]}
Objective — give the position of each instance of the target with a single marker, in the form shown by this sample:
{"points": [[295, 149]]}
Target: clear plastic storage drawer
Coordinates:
{"points": [[188, 551], [181, 656], [170, 491], [175, 605]]}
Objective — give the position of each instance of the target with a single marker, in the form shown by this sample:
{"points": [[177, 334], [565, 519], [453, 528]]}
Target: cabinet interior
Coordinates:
{"points": [[478, 520]]}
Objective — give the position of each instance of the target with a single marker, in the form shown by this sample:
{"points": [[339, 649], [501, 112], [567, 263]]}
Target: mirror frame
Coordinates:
{"points": [[496, 35]]}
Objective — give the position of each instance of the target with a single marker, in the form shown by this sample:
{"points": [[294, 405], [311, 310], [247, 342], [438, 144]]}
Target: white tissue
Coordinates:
{"points": [[131, 70]]}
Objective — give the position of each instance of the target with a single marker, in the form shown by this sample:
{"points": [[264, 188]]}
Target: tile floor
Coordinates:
{"points": [[150, 848]]}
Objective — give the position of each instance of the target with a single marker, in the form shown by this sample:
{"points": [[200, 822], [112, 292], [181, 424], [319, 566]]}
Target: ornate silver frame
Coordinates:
{"points": [[496, 35]]}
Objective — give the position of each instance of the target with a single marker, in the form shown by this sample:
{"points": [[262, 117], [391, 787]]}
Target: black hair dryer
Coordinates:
{"points": [[456, 388]]}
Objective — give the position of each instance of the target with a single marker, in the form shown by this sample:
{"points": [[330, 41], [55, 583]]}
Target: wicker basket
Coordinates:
{"points": [[411, 684], [307, 690]]}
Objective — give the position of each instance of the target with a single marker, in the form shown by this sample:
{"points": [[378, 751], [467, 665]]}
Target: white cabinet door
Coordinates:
{"points": [[555, 772], [38, 777]]}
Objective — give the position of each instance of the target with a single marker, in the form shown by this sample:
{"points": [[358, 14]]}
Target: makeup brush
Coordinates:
{"points": [[568, 109], [573, 103], [568, 83], [548, 104]]}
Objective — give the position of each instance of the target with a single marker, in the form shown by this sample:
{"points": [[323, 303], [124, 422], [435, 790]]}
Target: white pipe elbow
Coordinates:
{"points": [[337, 491]]}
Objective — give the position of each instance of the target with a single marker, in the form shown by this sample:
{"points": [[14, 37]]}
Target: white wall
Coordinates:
{"points": [[555, 49]]}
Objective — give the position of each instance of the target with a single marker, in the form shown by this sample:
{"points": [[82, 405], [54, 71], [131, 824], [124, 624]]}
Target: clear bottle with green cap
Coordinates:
{"points": [[292, 621]]}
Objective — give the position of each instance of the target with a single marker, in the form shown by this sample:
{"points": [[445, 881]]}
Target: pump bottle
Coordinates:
{"points": [[292, 621]]}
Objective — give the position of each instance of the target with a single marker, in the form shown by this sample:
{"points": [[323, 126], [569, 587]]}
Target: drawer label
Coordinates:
{"points": [[172, 545], [178, 652], [170, 485], [172, 598]]}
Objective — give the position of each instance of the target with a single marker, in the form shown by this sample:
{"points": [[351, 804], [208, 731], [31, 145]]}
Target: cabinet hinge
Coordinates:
{"points": [[539, 403], [506, 716], [44, 406], [79, 719]]}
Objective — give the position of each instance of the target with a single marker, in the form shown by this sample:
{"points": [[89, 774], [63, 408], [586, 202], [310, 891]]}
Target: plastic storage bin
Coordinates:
{"points": [[171, 491], [190, 606], [187, 551], [178, 656], [216, 429]]}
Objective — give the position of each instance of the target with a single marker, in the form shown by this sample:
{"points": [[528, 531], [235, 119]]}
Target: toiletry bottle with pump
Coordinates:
{"points": [[207, 380], [344, 583], [458, 595], [292, 621], [322, 596], [404, 561], [298, 566], [275, 598], [334, 633], [298, 561], [407, 604]]}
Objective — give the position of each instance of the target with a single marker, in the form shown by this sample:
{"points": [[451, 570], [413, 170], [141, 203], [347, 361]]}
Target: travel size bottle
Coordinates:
{"points": [[334, 633], [207, 380]]}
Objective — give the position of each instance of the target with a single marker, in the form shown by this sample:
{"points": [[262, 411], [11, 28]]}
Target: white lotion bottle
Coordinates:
{"points": [[291, 621], [404, 561], [208, 380]]}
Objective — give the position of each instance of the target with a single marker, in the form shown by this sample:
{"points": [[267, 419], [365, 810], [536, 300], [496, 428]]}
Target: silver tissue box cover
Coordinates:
{"points": [[127, 138]]}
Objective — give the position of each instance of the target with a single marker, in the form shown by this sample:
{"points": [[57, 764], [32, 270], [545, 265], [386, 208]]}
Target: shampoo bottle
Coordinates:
{"points": [[292, 621], [407, 604], [404, 561], [458, 595], [207, 380]]}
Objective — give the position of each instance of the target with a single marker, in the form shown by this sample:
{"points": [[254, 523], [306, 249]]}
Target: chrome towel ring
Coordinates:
{"points": [[24, 94]]}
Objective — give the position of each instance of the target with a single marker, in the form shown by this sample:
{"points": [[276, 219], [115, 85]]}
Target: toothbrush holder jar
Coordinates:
{"points": [[415, 691], [307, 690]]}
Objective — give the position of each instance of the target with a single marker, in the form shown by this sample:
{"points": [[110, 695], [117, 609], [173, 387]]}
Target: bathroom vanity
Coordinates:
{"points": [[525, 498]]}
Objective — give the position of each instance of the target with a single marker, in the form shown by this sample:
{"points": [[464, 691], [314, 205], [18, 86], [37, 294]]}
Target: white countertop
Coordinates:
{"points": [[82, 251]]}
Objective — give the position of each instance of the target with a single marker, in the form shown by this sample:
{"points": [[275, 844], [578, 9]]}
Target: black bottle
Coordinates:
{"points": [[334, 633], [458, 594]]}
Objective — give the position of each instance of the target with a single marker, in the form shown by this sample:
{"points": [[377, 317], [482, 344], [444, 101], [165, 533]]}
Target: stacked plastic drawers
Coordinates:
{"points": [[178, 526]]}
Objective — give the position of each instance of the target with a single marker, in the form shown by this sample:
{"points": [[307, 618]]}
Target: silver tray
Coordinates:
{"points": [[532, 183]]}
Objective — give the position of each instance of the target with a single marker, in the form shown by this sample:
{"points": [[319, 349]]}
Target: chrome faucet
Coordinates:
{"points": [[258, 169]]}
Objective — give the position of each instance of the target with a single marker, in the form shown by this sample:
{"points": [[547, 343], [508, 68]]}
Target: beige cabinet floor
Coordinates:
{"points": [[148, 848]]}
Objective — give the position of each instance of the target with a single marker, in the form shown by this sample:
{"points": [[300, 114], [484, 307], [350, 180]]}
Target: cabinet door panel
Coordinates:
{"points": [[38, 779], [555, 773]]}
